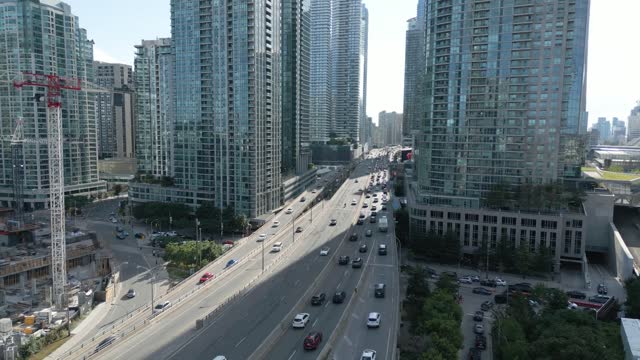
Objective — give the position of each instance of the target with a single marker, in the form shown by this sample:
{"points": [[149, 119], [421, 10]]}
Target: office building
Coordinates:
{"points": [[390, 126], [227, 105], [114, 110], [364, 56], [634, 123], [414, 71], [45, 37], [505, 86], [618, 131], [154, 118], [604, 128], [320, 72], [296, 151]]}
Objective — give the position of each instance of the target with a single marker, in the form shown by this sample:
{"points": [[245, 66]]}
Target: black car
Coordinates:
{"points": [[363, 248], [353, 237], [475, 354], [343, 260], [318, 299], [599, 299], [372, 220], [602, 289], [478, 316], [379, 290], [486, 306], [481, 342], [574, 294], [356, 263], [481, 291], [139, 236], [360, 222], [339, 297], [489, 283], [104, 343]]}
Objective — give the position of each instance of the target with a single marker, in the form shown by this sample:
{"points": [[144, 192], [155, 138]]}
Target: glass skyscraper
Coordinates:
{"points": [[44, 37], [505, 96]]}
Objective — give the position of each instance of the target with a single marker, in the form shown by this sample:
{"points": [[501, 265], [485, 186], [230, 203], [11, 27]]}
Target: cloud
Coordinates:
{"points": [[101, 55]]}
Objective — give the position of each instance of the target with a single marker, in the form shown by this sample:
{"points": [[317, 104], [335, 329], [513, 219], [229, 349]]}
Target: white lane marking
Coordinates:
{"points": [[282, 298], [348, 340], [314, 323], [346, 272], [388, 344], [338, 287], [355, 316], [327, 304], [296, 283], [293, 353], [240, 342]]}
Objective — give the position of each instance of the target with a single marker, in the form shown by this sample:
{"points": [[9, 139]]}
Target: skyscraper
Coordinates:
{"points": [[114, 110], [321, 20], [414, 69], [44, 37], [296, 152], [227, 103], [604, 128], [634, 123], [505, 85], [364, 56], [154, 118], [390, 125]]}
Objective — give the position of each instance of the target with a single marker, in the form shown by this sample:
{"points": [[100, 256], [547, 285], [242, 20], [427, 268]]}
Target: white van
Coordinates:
{"points": [[276, 247]]}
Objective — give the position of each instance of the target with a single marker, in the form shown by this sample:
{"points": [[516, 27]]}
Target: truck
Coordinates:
{"points": [[383, 224]]}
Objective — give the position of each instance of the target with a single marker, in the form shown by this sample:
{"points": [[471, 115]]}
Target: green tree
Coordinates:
{"points": [[543, 260], [523, 259], [632, 286], [117, 189], [447, 284]]}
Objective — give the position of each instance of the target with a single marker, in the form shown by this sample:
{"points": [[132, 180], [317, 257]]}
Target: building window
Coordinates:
{"points": [[552, 242], [471, 217], [576, 224], [549, 224], [474, 241], [432, 226], [453, 216], [485, 234], [494, 237], [512, 237], [490, 219], [543, 238], [508, 221], [437, 214], [457, 229], [523, 237], [449, 227], [466, 234], [440, 228], [567, 241], [528, 222], [578, 246], [532, 240]]}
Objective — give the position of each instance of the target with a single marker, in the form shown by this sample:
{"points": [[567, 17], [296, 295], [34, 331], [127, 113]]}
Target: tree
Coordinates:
{"points": [[117, 189], [448, 284], [632, 286], [543, 260], [402, 227], [523, 259], [504, 253]]}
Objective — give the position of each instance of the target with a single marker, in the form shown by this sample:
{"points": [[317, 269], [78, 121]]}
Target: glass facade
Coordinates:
{"points": [[505, 96], [45, 38]]}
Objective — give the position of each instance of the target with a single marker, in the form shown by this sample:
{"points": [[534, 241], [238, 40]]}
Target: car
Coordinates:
{"points": [[571, 305], [356, 263], [300, 320], [602, 289], [474, 354], [353, 237], [478, 329], [104, 343], [500, 282], [379, 290], [475, 278], [289, 211], [478, 316], [373, 209], [533, 303], [353, 202], [574, 294], [375, 195], [299, 229], [139, 236], [356, 181], [465, 280], [599, 299], [114, 220], [368, 233], [276, 247], [368, 196], [375, 200], [333, 222], [161, 307], [119, 229], [486, 306], [339, 297], [324, 251], [262, 237], [131, 294], [205, 277], [481, 342], [230, 263], [489, 283], [365, 205], [303, 199], [368, 354], [382, 249], [360, 222], [343, 260], [372, 220], [121, 236], [276, 223], [312, 340], [373, 320], [362, 248], [384, 208], [481, 291], [318, 299]]}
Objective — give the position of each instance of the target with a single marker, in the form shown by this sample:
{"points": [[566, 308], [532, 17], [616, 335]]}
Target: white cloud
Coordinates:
{"points": [[101, 55]]}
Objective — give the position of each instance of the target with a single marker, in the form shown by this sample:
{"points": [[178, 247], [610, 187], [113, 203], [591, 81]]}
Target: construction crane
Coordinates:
{"points": [[54, 85]]}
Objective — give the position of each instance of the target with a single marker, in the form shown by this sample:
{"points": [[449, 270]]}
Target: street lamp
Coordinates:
{"points": [[153, 275]]}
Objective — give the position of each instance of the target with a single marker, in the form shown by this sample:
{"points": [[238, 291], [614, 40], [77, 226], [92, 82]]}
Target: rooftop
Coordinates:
{"points": [[609, 175], [631, 334]]}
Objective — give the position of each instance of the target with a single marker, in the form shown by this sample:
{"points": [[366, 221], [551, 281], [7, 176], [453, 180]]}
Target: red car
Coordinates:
{"points": [[205, 277], [312, 340]]}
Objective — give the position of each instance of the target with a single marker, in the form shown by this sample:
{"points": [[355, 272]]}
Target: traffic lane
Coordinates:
{"points": [[341, 278], [256, 321]]}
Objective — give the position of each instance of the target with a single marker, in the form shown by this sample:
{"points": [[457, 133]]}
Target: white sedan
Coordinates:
{"points": [[324, 251], [276, 223], [373, 320], [368, 354], [262, 237], [289, 211], [300, 320], [500, 282]]}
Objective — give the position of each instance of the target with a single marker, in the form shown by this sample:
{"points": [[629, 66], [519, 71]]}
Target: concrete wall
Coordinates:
{"points": [[620, 259], [598, 207]]}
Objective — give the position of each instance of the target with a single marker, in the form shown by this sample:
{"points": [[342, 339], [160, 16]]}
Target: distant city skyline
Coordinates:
{"points": [[612, 69]]}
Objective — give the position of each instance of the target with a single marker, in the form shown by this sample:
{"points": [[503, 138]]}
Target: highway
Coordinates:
{"points": [[183, 297]]}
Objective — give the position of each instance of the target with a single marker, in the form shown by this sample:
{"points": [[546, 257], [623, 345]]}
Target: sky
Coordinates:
{"points": [[613, 66]]}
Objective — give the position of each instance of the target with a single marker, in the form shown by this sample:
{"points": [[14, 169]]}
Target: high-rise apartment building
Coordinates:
{"points": [[44, 37], [154, 117], [634, 123], [227, 105], [414, 71], [505, 84], [114, 110], [618, 131], [339, 47], [390, 125], [604, 128], [296, 27], [364, 62]]}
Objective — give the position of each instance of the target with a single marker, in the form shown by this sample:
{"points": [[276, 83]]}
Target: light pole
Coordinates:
{"points": [[153, 275], [262, 255], [293, 230], [198, 239]]}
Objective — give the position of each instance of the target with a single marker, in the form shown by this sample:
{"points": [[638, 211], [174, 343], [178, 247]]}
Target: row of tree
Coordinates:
{"points": [[632, 309], [189, 254], [547, 197], [554, 332], [520, 260], [435, 317]]}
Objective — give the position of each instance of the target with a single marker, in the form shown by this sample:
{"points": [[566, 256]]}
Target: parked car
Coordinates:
{"points": [[465, 280], [481, 342], [500, 282], [339, 297], [343, 260], [475, 278], [481, 291], [489, 283], [139, 236], [333, 222], [312, 340], [599, 299], [574, 294], [478, 329], [318, 299], [486, 306], [478, 316], [300, 320], [474, 354], [602, 289]]}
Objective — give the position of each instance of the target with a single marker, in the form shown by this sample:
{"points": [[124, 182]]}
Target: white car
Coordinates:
{"points": [[276, 247], [276, 223], [353, 202], [571, 305], [324, 251], [161, 307], [289, 211], [300, 320], [500, 282], [114, 220], [465, 280], [373, 320], [262, 237], [368, 354]]}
